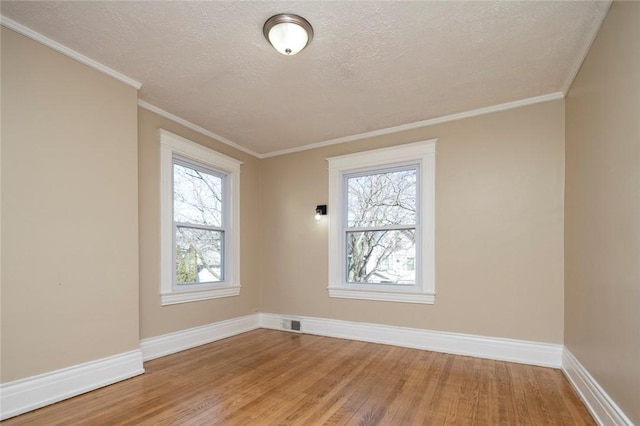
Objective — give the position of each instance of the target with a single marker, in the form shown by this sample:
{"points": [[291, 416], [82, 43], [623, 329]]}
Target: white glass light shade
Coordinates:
{"points": [[288, 38], [288, 34]]}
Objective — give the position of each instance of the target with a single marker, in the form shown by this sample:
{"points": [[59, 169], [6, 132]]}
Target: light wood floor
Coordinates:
{"points": [[268, 377]]}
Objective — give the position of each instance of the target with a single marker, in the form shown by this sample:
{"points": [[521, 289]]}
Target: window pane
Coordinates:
{"points": [[197, 196], [380, 256], [198, 255], [382, 199]]}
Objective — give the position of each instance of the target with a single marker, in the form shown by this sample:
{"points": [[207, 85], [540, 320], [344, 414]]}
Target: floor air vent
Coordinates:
{"points": [[292, 324]]}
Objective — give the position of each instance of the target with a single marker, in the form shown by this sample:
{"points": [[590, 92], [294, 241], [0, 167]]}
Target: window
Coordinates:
{"points": [[381, 242], [200, 222], [381, 224]]}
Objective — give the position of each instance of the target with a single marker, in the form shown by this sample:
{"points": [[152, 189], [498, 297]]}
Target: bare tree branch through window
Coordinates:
{"points": [[381, 221], [198, 219]]}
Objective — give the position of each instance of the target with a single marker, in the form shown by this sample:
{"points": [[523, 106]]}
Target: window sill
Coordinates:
{"points": [[196, 295], [385, 296]]}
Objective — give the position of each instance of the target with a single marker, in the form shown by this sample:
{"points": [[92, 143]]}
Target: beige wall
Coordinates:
{"points": [[155, 319], [69, 212], [80, 220], [499, 229], [602, 226], [0, 210]]}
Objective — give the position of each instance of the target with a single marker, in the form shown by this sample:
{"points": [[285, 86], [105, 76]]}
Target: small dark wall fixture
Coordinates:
{"points": [[321, 210]]}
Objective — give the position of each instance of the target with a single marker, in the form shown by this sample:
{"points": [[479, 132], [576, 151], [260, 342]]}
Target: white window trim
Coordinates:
{"points": [[422, 153], [170, 145]]}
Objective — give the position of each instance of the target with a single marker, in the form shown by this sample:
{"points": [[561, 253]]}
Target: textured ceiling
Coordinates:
{"points": [[370, 66]]}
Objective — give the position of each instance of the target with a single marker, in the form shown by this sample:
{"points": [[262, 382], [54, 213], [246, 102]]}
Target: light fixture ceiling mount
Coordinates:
{"points": [[288, 33]]}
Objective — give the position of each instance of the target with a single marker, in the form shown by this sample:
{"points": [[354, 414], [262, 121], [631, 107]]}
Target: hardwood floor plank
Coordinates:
{"points": [[268, 377], [401, 408]]}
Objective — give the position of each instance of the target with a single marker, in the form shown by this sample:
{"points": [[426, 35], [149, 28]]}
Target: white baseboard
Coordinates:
{"points": [[27, 394], [155, 347], [34, 392], [520, 351], [597, 401]]}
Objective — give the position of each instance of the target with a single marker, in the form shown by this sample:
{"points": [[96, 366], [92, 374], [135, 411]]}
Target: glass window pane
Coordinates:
{"points": [[198, 255], [382, 199], [380, 257], [197, 196]]}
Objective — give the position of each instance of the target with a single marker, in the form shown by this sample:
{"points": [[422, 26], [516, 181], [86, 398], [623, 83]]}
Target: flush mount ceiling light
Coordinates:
{"points": [[288, 33]]}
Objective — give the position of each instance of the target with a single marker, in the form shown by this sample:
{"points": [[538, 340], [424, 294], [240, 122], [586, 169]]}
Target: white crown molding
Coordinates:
{"points": [[27, 394], [444, 119], [156, 347], [58, 47], [584, 51], [597, 401], [15, 26], [511, 350], [410, 126], [196, 128]]}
